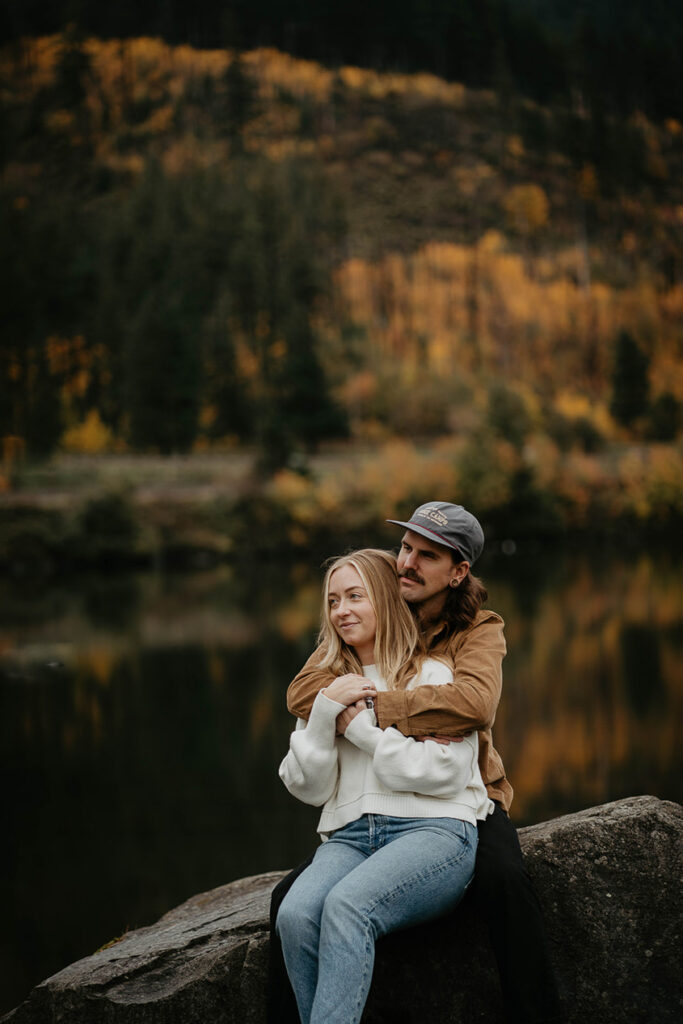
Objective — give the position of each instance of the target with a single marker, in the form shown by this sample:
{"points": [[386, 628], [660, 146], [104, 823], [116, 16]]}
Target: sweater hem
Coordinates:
{"points": [[402, 805]]}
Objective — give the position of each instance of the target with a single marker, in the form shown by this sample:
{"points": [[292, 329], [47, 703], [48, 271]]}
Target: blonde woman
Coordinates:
{"points": [[399, 818]]}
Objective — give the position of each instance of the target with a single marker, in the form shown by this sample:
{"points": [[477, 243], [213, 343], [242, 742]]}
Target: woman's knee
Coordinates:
{"points": [[289, 920], [282, 888], [343, 914], [277, 897], [298, 916]]}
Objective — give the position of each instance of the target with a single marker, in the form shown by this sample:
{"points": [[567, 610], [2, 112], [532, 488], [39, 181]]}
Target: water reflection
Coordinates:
{"points": [[143, 720]]}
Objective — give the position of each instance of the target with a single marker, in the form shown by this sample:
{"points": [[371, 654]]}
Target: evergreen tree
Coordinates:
{"points": [[225, 393], [305, 405], [665, 417], [630, 383], [164, 372]]}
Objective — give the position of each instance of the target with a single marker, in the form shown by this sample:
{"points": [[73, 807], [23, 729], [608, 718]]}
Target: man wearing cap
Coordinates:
{"points": [[440, 543]]}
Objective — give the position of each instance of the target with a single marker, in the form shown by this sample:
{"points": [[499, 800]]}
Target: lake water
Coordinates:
{"points": [[143, 720]]}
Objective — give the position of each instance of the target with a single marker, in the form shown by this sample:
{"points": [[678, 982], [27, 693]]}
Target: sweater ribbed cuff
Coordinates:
{"points": [[321, 726], [363, 732]]}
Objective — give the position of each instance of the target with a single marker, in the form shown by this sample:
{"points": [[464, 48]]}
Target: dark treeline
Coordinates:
{"points": [[199, 290], [615, 58]]}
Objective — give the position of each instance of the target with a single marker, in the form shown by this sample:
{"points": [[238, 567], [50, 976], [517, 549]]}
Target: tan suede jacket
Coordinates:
{"points": [[469, 702]]}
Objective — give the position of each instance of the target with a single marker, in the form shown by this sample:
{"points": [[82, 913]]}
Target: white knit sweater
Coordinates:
{"points": [[381, 771]]}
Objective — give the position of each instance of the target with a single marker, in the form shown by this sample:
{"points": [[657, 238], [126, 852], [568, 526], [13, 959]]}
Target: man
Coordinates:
{"points": [[440, 543]]}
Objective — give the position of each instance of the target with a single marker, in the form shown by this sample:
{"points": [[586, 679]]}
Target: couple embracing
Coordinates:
{"points": [[393, 740]]}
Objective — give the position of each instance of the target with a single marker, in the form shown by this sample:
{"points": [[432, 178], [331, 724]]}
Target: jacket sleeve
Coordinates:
{"points": [[306, 685], [405, 765], [468, 703], [310, 768]]}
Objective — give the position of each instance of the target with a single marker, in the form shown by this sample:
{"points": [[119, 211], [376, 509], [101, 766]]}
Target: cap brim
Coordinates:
{"points": [[429, 534]]}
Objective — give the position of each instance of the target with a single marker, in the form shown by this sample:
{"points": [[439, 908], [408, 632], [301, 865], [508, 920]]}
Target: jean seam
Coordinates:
{"points": [[369, 944], [420, 876]]}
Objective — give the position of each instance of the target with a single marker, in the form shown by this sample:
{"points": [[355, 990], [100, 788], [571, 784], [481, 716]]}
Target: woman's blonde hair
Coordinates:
{"points": [[398, 648]]}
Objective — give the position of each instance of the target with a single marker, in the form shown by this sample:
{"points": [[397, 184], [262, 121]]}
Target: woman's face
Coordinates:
{"points": [[351, 614]]}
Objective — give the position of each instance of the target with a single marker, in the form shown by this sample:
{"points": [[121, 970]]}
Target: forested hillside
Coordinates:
{"points": [[206, 248]]}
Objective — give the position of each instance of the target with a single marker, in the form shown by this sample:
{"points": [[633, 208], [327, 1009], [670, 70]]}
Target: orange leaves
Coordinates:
{"points": [[71, 360], [652, 481], [485, 307], [358, 490], [301, 78], [526, 208], [587, 182], [91, 437]]}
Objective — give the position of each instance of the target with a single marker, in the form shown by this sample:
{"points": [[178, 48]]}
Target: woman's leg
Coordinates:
{"points": [[280, 1002], [298, 919], [418, 870]]}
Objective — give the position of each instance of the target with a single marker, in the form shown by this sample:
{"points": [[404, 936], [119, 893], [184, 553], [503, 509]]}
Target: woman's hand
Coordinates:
{"points": [[346, 717], [350, 688]]}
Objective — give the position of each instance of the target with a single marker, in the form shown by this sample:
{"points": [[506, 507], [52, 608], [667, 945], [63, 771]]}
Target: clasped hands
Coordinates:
{"points": [[352, 690]]}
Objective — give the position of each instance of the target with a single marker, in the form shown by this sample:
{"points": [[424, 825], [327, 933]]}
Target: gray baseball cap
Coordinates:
{"points": [[447, 524]]}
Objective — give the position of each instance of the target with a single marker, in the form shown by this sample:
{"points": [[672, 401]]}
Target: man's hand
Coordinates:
{"points": [[445, 740], [345, 717], [350, 688]]}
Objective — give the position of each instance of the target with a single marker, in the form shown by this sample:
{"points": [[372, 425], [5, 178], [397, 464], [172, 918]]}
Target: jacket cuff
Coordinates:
{"points": [[363, 732], [391, 708]]}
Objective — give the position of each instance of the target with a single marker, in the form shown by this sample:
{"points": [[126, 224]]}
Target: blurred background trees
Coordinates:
{"points": [[221, 249]]}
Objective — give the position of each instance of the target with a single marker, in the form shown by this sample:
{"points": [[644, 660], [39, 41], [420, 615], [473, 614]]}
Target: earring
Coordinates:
{"points": [[454, 583]]}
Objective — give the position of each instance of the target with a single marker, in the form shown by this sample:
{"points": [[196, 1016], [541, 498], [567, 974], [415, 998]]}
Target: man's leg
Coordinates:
{"points": [[503, 891], [280, 1001]]}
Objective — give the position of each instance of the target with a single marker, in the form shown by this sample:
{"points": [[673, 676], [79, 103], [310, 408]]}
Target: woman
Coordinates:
{"points": [[399, 817]]}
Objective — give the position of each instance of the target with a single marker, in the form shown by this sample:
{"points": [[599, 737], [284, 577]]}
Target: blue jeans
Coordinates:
{"points": [[371, 877]]}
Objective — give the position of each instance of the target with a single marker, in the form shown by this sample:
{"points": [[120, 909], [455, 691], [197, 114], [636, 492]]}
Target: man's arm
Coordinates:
{"points": [[303, 690], [469, 702]]}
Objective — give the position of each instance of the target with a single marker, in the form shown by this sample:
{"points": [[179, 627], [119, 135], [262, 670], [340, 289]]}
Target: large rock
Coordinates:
{"points": [[608, 879]]}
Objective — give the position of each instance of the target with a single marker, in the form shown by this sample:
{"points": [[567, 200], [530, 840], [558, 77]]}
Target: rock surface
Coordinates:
{"points": [[608, 878]]}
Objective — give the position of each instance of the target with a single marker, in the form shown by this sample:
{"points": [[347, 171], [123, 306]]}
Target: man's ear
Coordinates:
{"points": [[460, 570]]}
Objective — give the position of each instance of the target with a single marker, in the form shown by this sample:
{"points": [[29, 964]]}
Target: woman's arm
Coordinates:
{"points": [[310, 768], [404, 765]]}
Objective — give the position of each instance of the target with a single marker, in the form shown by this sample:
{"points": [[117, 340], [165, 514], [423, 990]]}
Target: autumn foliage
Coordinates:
{"points": [[207, 250]]}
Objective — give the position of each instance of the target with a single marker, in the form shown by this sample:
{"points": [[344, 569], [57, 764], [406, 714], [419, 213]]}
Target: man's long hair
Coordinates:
{"points": [[463, 603]]}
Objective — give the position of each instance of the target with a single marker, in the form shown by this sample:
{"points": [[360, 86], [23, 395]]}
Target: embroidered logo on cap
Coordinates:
{"points": [[434, 514]]}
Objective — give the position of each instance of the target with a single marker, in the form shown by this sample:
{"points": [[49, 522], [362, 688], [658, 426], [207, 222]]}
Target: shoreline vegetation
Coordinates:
{"points": [[194, 511]]}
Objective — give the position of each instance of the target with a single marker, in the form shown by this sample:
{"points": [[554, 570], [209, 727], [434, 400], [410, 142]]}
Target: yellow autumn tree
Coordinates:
{"points": [[526, 208]]}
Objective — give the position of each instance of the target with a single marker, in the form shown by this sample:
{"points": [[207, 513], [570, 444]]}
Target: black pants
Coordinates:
{"points": [[504, 895]]}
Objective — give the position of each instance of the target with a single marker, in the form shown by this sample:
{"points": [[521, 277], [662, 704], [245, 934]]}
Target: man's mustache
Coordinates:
{"points": [[410, 574]]}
